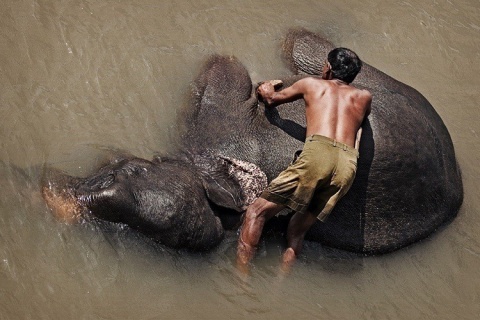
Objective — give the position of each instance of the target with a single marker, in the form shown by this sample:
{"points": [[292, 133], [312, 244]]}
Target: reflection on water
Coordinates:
{"points": [[81, 77]]}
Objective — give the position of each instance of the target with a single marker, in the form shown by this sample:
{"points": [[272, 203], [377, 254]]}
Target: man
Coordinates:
{"points": [[324, 171]]}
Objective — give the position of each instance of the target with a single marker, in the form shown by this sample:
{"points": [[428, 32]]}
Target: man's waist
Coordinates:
{"points": [[332, 142]]}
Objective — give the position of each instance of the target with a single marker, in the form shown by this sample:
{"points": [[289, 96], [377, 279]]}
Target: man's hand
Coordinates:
{"points": [[267, 89]]}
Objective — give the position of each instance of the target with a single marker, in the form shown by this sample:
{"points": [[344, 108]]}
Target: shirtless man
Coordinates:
{"points": [[325, 169]]}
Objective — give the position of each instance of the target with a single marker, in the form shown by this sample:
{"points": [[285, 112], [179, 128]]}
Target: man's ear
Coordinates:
{"points": [[231, 183], [327, 71]]}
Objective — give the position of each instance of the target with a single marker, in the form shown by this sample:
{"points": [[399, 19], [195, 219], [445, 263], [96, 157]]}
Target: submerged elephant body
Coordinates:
{"points": [[408, 182]]}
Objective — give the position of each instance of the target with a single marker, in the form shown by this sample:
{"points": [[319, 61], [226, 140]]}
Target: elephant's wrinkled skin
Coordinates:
{"points": [[408, 182]]}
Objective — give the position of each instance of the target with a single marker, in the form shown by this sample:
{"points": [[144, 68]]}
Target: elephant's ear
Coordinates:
{"points": [[231, 183]]}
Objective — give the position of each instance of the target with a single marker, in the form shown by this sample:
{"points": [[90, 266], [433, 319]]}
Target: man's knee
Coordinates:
{"points": [[254, 212], [262, 209]]}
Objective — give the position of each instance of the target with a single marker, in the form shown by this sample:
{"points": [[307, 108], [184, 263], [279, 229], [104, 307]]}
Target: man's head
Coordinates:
{"points": [[343, 64]]}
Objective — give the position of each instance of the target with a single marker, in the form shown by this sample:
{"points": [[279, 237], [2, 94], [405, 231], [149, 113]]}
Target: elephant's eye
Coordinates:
{"points": [[131, 170], [107, 182]]}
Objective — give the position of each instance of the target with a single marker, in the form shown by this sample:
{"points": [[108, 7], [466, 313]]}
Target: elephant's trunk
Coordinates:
{"points": [[58, 192]]}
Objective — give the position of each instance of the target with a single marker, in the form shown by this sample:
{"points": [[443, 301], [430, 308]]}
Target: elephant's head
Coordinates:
{"points": [[171, 200]]}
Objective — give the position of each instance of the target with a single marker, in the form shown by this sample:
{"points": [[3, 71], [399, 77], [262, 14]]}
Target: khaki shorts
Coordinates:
{"points": [[317, 179]]}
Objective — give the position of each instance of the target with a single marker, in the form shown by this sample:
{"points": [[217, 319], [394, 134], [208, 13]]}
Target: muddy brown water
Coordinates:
{"points": [[79, 78]]}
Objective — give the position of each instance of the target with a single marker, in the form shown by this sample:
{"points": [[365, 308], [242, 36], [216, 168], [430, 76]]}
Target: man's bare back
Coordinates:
{"points": [[333, 108]]}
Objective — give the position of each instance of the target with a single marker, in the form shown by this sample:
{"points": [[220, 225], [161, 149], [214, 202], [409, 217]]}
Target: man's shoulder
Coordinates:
{"points": [[367, 94], [363, 93], [364, 98], [313, 82], [311, 79]]}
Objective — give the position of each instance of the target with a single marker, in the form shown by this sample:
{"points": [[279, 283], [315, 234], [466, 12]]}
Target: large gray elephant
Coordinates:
{"points": [[408, 181]]}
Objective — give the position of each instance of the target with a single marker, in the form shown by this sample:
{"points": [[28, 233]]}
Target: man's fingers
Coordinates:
{"points": [[276, 83]]}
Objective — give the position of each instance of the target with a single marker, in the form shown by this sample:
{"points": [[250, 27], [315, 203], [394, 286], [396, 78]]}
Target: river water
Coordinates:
{"points": [[79, 78]]}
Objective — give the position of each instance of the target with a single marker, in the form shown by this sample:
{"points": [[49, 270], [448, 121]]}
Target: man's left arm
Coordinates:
{"points": [[357, 138], [368, 109]]}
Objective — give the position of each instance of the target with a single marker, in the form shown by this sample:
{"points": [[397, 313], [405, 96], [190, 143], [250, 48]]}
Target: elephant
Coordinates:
{"points": [[408, 181]]}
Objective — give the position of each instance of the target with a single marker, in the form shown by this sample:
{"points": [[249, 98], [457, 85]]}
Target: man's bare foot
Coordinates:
{"points": [[288, 259], [64, 206]]}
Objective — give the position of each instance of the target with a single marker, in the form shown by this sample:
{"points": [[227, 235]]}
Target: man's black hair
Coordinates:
{"points": [[345, 64]]}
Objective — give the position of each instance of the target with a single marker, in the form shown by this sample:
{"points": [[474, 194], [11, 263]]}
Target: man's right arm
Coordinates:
{"points": [[272, 98]]}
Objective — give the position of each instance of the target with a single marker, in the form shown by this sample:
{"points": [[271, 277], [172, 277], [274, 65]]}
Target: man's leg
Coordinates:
{"points": [[298, 226], [259, 212]]}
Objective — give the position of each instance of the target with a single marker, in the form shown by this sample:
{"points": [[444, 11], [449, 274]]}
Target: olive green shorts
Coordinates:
{"points": [[317, 179]]}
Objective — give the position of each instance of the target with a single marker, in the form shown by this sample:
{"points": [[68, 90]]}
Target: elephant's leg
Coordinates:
{"points": [[306, 51], [223, 105]]}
